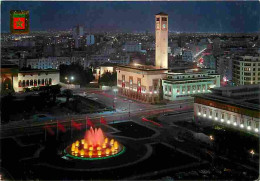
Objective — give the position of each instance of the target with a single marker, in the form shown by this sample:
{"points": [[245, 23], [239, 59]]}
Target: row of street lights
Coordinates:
{"points": [[69, 79]]}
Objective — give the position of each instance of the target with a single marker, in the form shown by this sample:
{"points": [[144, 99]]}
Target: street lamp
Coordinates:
{"points": [[211, 137], [129, 107], [252, 153], [71, 78], [115, 92]]}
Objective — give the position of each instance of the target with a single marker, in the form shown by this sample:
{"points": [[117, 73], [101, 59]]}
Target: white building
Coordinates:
{"points": [[97, 60], [235, 107], [55, 62], [132, 47], [108, 67], [246, 70], [36, 78], [125, 60], [11, 76], [184, 84]]}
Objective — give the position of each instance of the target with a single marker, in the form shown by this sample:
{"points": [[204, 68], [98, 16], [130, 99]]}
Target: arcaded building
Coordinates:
{"points": [[12, 77], [235, 107]]}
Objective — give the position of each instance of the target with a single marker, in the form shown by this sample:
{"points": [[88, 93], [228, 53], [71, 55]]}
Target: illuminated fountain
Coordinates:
{"points": [[94, 146]]}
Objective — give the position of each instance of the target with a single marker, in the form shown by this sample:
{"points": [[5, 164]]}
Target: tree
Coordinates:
{"points": [[6, 92], [108, 79], [7, 107], [80, 75], [55, 90], [68, 94]]}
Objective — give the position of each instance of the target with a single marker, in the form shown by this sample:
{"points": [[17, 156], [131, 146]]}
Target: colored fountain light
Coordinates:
{"points": [[95, 145]]}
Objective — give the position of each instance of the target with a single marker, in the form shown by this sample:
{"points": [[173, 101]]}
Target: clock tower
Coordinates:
{"points": [[161, 40]]}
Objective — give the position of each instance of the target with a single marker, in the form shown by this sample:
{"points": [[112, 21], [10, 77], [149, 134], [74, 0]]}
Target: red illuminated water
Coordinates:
{"points": [[94, 136]]}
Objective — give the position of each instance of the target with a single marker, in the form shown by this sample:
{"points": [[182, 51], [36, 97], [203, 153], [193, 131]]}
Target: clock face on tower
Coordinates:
{"points": [[164, 26]]}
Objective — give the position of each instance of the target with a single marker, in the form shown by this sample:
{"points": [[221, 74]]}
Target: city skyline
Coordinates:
{"points": [[208, 17]]}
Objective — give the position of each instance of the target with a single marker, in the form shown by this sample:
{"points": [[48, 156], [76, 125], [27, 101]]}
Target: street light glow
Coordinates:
{"points": [[252, 152], [211, 137]]}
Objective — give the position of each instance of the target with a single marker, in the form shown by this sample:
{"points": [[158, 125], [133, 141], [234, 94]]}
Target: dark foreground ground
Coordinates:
{"points": [[146, 157]]}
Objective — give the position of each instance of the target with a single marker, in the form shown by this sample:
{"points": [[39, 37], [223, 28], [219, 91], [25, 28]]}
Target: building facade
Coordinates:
{"points": [[36, 78], [225, 67], [132, 47], [187, 55], [55, 62], [246, 70], [236, 107], [13, 78], [99, 71], [140, 82], [182, 85], [143, 82]]}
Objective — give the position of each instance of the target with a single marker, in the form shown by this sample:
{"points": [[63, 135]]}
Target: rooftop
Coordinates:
{"points": [[142, 67], [38, 70], [242, 87], [162, 13], [249, 58], [243, 96], [108, 64]]}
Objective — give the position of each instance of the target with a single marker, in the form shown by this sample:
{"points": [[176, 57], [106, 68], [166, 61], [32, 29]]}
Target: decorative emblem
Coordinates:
{"points": [[19, 22]]}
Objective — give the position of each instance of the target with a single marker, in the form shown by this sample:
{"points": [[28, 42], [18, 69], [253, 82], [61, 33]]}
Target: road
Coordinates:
{"points": [[175, 111], [122, 112]]}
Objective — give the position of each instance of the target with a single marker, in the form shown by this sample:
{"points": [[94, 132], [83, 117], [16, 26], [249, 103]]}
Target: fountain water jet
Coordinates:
{"points": [[95, 145]]}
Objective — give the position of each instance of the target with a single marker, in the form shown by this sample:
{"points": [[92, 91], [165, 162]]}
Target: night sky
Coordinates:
{"points": [[138, 16]]}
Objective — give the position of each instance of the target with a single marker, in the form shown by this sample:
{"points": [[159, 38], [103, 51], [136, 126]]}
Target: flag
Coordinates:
{"points": [[48, 128], [103, 121], [144, 119], [61, 127], [89, 123], [19, 23], [75, 125]]}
